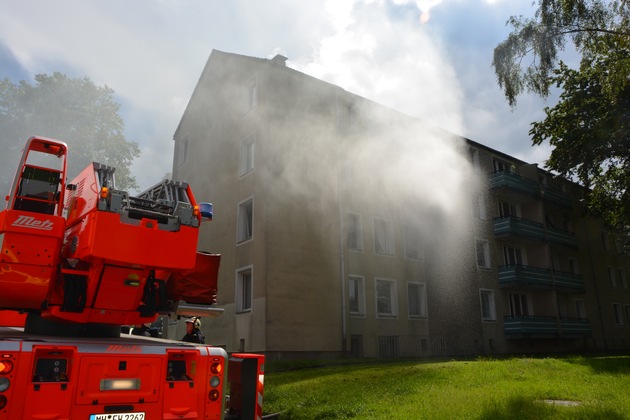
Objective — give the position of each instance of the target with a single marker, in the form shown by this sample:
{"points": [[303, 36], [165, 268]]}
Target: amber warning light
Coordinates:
{"points": [[6, 366]]}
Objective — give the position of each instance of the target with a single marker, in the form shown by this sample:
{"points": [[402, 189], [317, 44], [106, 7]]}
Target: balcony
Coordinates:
{"points": [[575, 327], [562, 237], [539, 278], [522, 274], [569, 281], [546, 327], [521, 326], [509, 226], [510, 180], [556, 196]]}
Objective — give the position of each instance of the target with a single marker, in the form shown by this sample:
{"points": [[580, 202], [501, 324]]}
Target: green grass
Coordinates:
{"points": [[513, 388]]}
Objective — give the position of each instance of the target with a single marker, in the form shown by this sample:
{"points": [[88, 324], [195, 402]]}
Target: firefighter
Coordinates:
{"points": [[141, 329], [193, 334]]}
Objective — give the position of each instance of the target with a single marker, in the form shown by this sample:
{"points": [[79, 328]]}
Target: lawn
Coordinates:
{"points": [[577, 387]]}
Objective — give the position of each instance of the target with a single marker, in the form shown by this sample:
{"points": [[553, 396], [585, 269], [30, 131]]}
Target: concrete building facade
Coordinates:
{"points": [[349, 229]]}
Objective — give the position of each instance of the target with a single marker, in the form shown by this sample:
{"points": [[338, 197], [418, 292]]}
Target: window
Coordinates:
{"points": [[386, 298], [627, 309], [474, 157], [574, 268], [251, 99], [387, 346], [244, 289], [621, 274], [502, 166], [555, 262], [245, 220], [508, 209], [488, 310], [246, 164], [355, 232], [416, 300], [412, 241], [479, 207], [566, 224], [519, 304], [512, 256], [182, 151], [611, 276], [562, 307], [580, 309], [483, 253], [618, 314], [383, 237], [356, 295], [605, 241]]}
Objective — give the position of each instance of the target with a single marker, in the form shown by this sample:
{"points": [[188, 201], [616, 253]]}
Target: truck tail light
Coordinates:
{"points": [[5, 383], [216, 370], [214, 395], [6, 366]]}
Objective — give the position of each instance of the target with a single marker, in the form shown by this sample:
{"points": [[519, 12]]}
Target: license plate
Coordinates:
{"points": [[118, 416]]}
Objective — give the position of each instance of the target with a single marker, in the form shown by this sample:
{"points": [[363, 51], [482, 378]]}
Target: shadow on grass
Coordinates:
{"points": [[522, 408], [603, 364]]}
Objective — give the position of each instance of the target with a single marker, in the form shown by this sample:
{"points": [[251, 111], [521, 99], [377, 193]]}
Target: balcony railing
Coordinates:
{"points": [[539, 278], [506, 179], [554, 195], [516, 226], [575, 326], [511, 225], [532, 276], [546, 327], [560, 236], [531, 325], [568, 281]]}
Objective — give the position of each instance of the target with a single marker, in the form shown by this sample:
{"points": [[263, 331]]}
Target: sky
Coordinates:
{"points": [[427, 58]]}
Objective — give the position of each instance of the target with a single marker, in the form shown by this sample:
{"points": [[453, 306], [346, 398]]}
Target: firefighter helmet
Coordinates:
{"points": [[195, 321]]}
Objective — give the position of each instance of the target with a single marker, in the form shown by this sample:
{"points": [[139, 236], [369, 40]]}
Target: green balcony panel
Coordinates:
{"points": [[516, 226], [530, 325], [562, 237], [568, 280], [506, 179], [556, 196], [523, 274], [575, 326]]}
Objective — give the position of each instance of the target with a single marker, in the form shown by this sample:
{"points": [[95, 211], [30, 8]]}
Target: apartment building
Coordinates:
{"points": [[349, 229]]}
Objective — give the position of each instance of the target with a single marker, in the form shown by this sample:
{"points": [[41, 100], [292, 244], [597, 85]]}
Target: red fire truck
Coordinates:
{"points": [[79, 260]]}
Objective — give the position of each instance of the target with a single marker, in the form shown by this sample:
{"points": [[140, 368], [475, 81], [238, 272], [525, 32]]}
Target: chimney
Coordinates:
{"points": [[279, 60]]}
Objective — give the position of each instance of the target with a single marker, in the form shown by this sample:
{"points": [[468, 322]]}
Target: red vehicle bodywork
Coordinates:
{"points": [[81, 256]]}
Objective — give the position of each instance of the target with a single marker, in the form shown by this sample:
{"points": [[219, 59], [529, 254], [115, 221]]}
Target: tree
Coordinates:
{"points": [[75, 111], [589, 127]]}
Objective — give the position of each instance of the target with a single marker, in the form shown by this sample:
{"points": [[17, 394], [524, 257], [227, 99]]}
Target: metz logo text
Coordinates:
{"points": [[33, 223]]}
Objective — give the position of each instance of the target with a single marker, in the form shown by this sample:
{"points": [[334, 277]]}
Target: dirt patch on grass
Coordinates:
{"points": [[565, 403]]}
